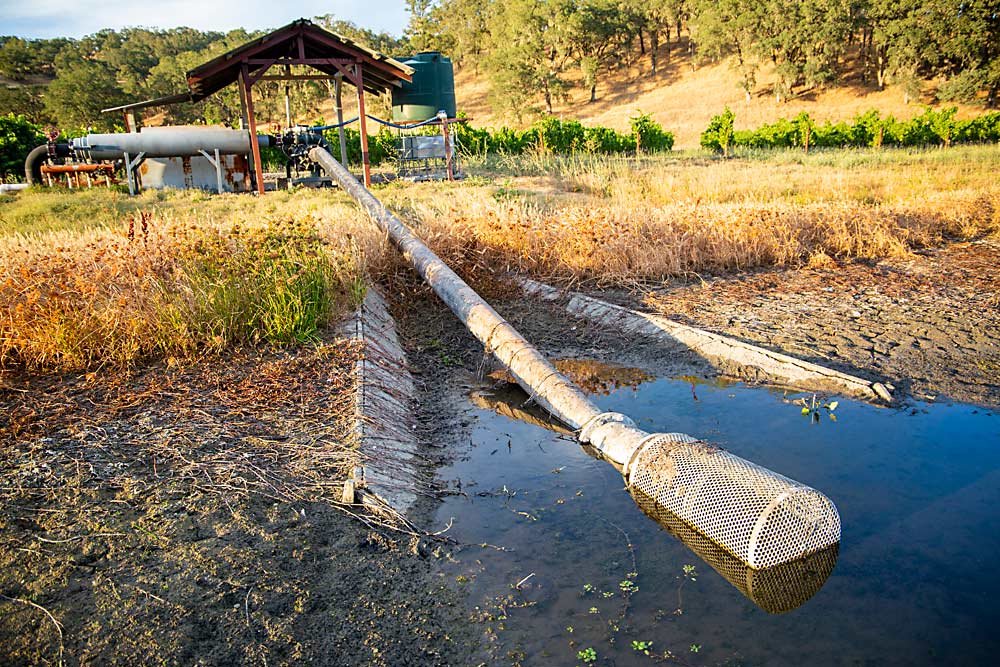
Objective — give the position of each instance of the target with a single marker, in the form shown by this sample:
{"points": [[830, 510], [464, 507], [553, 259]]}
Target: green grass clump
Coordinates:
{"points": [[277, 285], [183, 286]]}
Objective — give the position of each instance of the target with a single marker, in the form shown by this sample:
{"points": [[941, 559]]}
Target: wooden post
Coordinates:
{"points": [[254, 144], [244, 119], [447, 146], [360, 83]]}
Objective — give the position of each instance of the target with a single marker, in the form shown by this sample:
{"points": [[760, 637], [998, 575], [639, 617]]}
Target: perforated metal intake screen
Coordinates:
{"points": [[776, 589], [760, 517]]}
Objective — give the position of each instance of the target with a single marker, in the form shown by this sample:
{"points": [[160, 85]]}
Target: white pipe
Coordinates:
{"points": [[12, 187], [177, 141], [713, 490], [567, 402]]}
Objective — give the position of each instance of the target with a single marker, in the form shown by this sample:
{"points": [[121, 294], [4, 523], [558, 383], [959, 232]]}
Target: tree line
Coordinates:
{"points": [[533, 49], [66, 82]]}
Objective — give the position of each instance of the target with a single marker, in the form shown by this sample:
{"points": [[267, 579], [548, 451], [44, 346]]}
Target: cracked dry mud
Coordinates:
{"points": [[929, 324]]}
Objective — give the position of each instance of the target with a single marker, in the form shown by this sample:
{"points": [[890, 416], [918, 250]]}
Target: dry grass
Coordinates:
{"points": [[615, 221], [173, 274], [179, 280]]}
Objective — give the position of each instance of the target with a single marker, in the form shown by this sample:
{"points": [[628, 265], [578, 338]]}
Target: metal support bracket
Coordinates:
{"points": [[130, 166], [217, 163]]}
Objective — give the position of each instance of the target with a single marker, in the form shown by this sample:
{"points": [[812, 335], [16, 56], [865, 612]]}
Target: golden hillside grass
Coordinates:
{"points": [[683, 97], [177, 279]]}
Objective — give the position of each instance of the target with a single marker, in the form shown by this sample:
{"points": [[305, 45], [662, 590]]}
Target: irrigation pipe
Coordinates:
{"points": [[762, 518], [321, 128]]}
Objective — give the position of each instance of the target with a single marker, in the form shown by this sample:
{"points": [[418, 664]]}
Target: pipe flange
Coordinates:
{"points": [[678, 438], [600, 420]]}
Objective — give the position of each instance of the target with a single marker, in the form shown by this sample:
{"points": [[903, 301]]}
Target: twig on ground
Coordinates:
{"points": [[51, 618]]}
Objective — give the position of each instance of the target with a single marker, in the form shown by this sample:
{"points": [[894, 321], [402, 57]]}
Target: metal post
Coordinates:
{"points": [[338, 105], [288, 103], [244, 118], [130, 169], [258, 170], [360, 83], [128, 174], [218, 169], [217, 163]]}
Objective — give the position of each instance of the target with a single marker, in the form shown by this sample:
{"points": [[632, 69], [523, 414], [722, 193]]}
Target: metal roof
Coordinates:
{"points": [[300, 40], [155, 102]]}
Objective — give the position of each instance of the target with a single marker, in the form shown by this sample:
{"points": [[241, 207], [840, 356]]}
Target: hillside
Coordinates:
{"points": [[683, 97]]}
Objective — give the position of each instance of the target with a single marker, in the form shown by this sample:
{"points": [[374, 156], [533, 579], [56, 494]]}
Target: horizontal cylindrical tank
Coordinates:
{"points": [[432, 89], [177, 141]]}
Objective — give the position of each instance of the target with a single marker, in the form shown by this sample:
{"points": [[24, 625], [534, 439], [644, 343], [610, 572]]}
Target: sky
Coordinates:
{"points": [[76, 18]]}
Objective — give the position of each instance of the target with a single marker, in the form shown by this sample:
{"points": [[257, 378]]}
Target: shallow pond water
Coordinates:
{"points": [[918, 490]]}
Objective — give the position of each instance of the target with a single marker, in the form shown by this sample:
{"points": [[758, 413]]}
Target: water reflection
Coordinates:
{"points": [[776, 590], [510, 401]]}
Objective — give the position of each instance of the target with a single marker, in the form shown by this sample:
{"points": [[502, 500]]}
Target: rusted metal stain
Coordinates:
{"points": [[186, 168], [236, 172], [197, 172]]}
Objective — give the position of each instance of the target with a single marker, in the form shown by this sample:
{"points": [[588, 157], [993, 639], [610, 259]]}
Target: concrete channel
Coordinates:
{"points": [[776, 366]]}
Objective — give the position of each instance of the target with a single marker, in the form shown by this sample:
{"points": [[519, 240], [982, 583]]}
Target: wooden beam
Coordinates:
{"points": [[352, 74], [254, 143], [300, 61], [296, 77], [255, 77], [345, 47], [364, 126]]}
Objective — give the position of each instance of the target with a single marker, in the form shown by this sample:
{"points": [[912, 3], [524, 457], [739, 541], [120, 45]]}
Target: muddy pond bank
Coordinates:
{"points": [[170, 517], [183, 515]]}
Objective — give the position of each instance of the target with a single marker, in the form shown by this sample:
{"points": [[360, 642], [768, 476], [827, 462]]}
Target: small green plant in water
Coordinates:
{"points": [[588, 655], [642, 647], [628, 586], [695, 648], [813, 408], [594, 610]]}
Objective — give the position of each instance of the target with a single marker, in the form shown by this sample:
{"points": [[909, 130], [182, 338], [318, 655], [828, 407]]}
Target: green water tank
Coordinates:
{"points": [[432, 89]]}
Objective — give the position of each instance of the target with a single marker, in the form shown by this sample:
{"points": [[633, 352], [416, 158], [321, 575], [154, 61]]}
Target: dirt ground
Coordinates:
{"points": [[929, 324], [186, 515]]}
